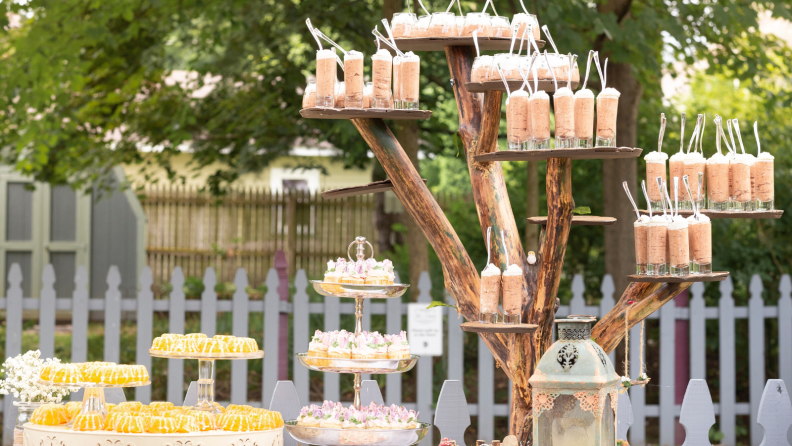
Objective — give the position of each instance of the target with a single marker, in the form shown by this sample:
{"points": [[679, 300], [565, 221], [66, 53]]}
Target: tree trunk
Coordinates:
{"points": [[619, 241], [532, 207], [407, 134]]}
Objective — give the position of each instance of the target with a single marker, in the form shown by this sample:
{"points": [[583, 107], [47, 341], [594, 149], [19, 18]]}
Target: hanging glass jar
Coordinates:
{"points": [[575, 390]]}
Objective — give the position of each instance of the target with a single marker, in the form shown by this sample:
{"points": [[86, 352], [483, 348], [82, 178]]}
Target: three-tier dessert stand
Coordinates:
{"points": [[381, 437]]}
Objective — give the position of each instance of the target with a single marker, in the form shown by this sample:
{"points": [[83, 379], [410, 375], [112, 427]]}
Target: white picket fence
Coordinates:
{"points": [[271, 307]]}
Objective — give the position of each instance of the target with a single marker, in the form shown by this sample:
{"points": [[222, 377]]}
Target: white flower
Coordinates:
{"points": [[21, 379]]}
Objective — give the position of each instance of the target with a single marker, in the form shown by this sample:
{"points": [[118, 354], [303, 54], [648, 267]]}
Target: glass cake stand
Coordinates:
{"points": [[206, 372], [94, 396]]}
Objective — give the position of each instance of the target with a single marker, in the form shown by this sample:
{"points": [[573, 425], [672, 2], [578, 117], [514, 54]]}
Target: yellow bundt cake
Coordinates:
{"points": [[131, 424], [186, 423], [236, 422], [88, 422], [195, 336], [72, 409], [204, 421], [242, 345], [130, 406], [172, 336], [112, 419], [162, 344], [214, 346], [224, 338], [117, 374], [161, 425], [139, 373], [162, 406], [48, 371], [68, 373], [185, 345], [50, 415]]}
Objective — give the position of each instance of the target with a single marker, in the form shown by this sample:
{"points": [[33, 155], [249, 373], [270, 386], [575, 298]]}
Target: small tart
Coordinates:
{"points": [[49, 415], [131, 424], [162, 425], [88, 422]]}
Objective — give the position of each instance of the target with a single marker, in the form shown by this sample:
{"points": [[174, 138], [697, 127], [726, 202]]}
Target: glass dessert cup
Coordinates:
{"points": [[482, 65], [641, 233], [340, 98], [700, 232], [382, 70], [353, 80], [607, 110], [397, 82], [477, 21], [402, 24], [460, 24], [309, 95], [765, 184], [500, 26], [540, 120], [489, 294], [564, 108], [409, 80], [517, 120], [421, 28], [560, 64], [326, 75], [657, 241], [443, 24], [526, 21], [508, 63], [655, 168], [584, 118], [368, 91]]}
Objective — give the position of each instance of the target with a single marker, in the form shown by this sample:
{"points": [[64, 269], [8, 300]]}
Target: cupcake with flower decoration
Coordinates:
{"points": [[354, 419], [377, 275], [412, 420], [387, 265], [341, 346], [354, 274], [310, 416], [362, 348], [398, 347], [380, 346], [320, 343], [332, 418]]}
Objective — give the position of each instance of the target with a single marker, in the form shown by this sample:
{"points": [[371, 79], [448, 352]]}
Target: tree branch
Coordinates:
{"points": [[642, 299]]}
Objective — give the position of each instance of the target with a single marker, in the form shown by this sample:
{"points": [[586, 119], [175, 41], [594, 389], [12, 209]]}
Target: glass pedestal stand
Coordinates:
{"points": [[206, 362], [93, 394]]}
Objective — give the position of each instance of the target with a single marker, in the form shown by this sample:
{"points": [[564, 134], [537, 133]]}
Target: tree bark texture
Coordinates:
{"points": [[619, 241]]}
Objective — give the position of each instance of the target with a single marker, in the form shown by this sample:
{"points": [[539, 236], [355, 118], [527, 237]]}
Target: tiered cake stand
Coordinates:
{"points": [[206, 372], [94, 396], [361, 437]]}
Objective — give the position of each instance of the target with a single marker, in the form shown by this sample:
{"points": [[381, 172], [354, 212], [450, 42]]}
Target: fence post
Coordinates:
{"points": [[240, 307], [756, 353], [302, 333], [486, 390], [637, 393], [176, 325], [578, 304], [112, 322], [667, 375], [681, 358], [47, 313], [281, 265], [728, 382], [775, 413], [13, 342], [697, 414], [271, 347], [145, 316], [698, 333], [393, 381], [79, 347], [425, 395], [456, 348], [785, 330], [209, 304]]}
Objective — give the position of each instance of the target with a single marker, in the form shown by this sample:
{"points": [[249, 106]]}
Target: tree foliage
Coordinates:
{"points": [[86, 84]]}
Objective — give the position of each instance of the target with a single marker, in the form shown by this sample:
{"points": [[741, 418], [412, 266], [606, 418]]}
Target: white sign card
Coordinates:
{"points": [[425, 329]]}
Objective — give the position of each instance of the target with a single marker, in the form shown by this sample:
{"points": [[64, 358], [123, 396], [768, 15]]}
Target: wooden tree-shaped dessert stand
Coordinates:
{"points": [[517, 351]]}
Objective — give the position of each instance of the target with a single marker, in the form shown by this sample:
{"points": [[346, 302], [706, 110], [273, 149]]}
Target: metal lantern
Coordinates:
{"points": [[575, 390]]}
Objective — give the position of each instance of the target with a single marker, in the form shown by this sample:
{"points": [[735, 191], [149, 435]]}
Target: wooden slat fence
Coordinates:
{"points": [[192, 229], [485, 409]]}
